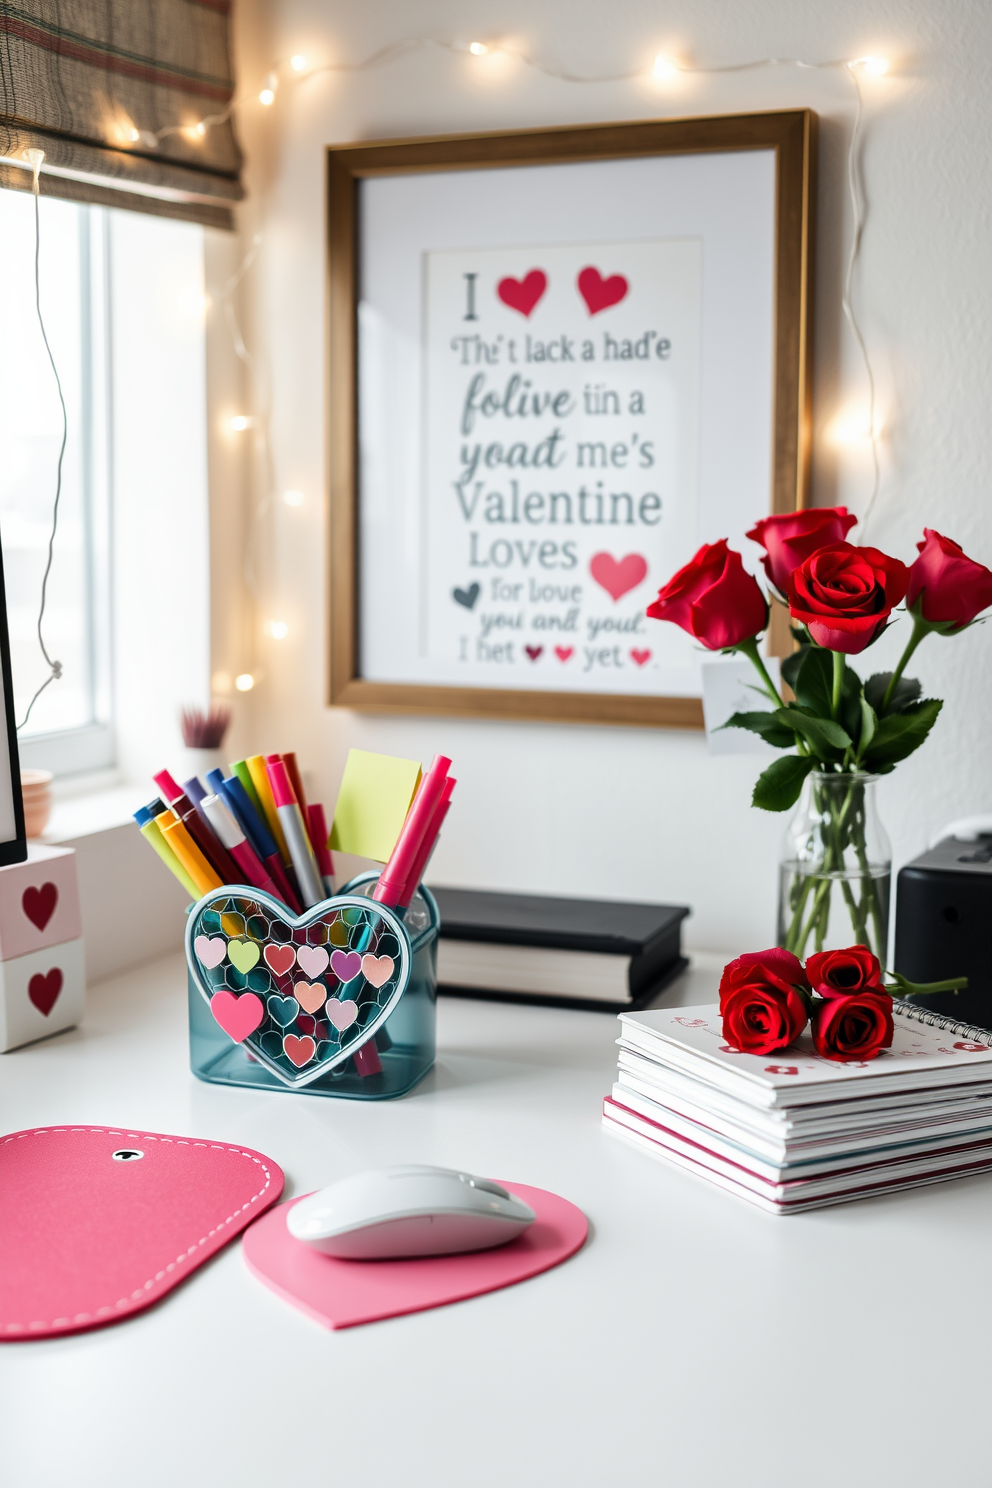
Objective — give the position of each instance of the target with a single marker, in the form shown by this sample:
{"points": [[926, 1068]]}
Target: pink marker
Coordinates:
{"points": [[223, 822], [294, 831], [317, 824], [429, 843], [392, 880]]}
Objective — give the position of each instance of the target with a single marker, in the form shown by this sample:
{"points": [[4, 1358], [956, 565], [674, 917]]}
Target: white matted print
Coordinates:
{"points": [[561, 413]]}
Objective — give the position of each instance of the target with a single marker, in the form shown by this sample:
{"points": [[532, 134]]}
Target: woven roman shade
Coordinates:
{"points": [[113, 92]]}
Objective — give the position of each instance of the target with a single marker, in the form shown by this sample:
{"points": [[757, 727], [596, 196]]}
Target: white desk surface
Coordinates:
{"points": [[694, 1341]]}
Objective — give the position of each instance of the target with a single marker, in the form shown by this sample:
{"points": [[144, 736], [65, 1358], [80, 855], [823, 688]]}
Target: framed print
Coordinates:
{"points": [[559, 361]]}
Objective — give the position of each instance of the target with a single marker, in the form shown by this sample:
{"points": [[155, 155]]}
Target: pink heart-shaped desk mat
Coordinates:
{"points": [[87, 1238], [341, 1294]]}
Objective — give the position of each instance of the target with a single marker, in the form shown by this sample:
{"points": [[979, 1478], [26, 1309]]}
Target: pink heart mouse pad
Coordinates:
{"points": [[97, 1223], [341, 1294]]}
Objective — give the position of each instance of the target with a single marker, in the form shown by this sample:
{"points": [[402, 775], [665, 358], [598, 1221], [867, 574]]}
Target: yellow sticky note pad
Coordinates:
{"points": [[374, 799]]}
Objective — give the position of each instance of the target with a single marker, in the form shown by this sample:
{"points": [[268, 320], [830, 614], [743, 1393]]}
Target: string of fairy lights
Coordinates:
{"points": [[663, 70]]}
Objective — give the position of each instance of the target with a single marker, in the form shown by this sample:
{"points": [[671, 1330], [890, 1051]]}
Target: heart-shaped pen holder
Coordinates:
{"points": [[337, 1001]]}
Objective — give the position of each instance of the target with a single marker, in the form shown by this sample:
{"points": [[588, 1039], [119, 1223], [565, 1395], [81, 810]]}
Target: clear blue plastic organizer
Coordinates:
{"points": [[339, 1001]]}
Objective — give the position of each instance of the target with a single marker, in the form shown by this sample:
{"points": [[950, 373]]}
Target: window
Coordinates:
{"points": [[69, 728]]}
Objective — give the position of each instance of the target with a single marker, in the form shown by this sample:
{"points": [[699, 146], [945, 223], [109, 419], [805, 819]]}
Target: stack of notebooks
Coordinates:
{"points": [[584, 953], [792, 1131]]}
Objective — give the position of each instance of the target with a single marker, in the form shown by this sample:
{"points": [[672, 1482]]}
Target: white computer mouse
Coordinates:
{"points": [[408, 1211]]}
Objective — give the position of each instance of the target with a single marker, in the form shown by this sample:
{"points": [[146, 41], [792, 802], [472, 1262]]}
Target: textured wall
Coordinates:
{"points": [[628, 812]]}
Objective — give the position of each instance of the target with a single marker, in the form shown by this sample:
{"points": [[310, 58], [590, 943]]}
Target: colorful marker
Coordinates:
{"points": [[295, 833], [182, 844], [152, 833], [233, 793], [223, 822], [263, 790], [317, 824], [429, 842], [393, 879], [220, 861]]}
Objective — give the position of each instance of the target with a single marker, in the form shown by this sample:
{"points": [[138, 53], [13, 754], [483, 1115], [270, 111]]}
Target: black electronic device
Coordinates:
{"points": [[944, 925]]}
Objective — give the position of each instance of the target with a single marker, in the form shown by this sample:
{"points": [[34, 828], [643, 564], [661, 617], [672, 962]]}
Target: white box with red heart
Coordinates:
{"points": [[42, 967]]}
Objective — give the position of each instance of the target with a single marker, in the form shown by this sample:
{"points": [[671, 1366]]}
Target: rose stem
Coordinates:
{"points": [[920, 629], [750, 648], [838, 657]]}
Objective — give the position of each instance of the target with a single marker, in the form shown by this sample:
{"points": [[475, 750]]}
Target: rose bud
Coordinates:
{"points": [[714, 598], [764, 1001], [844, 595], [947, 589], [840, 973], [789, 539], [852, 1028]]}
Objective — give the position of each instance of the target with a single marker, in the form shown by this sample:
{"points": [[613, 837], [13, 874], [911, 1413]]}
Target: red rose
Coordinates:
{"points": [[763, 1001], [950, 587], [856, 1027], [791, 538], [841, 973], [714, 598], [844, 595]]}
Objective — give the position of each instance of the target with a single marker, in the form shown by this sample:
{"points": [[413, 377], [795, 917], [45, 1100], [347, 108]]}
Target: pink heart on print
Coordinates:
{"points": [[310, 995], [39, 904], [534, 652], [210, 950], [618, 576], [44, 991], [299, 1050], [377, 969], [640, 657], [341, 1014], [238, 1016], [523, 295], [278, 958], [312, 960], [564, 653], [345, 965], [599, 293]]}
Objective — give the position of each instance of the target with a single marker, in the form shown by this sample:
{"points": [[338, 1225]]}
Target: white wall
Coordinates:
{"points": [[624, 812]]}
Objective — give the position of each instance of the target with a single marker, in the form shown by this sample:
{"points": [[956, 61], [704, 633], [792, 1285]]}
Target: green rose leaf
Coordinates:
{"points": [[869, 723], [899, 734], [766, 724], [907, 691], [814, 680], [778, 787], [822, 735]]}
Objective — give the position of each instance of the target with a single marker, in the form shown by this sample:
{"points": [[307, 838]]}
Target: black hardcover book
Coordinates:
{"points": [[584, 953]]}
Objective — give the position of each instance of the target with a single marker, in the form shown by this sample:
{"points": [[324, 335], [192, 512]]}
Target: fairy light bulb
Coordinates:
{"points": [[664, 67], [268, 93], [244, 682], [293, 498], [478, 48], [298, 63], [875, 66], [240, 422], [278, 630]]}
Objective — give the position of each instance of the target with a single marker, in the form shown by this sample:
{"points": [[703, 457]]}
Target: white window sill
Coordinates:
{"points": [[98, 806]]}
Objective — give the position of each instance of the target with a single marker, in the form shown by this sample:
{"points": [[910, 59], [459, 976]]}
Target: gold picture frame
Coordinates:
{"points": [[791, 135]]}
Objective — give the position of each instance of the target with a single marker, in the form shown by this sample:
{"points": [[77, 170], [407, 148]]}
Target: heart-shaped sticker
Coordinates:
{"points": [[39, 904], [346, 965], [248, 923], [243, 955], [43, 991], [238, 1016], [341, 1014], [599, 293], [618, 576], [312, 959], [278, 958], [211, 949], [310, 995], [377, 969], [524, 294]]}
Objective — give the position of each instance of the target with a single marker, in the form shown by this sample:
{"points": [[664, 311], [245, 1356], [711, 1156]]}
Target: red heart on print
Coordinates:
{"points": [[238, 1016], [641, 657], [522, 295], [618, 576], [299, 1050], [39, 904], [599, 293], [564, 652], [534, 651], [279, 958], [44, 990]]}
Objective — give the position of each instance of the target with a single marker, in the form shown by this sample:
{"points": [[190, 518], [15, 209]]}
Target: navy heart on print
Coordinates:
{"points": [[467, 597], [295, 1045]]}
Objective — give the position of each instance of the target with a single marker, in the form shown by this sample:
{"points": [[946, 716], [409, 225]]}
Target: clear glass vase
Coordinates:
{"points": [[835, 870]]}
